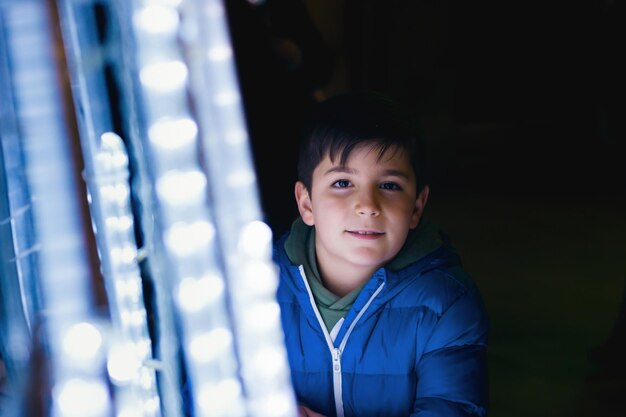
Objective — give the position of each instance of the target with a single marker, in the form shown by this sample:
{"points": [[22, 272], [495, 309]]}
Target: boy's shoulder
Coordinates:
{"points": [[436, 281], [278, 247]]}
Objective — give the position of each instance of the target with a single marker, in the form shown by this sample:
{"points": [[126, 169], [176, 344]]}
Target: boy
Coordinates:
{"points": [[379, 317]]}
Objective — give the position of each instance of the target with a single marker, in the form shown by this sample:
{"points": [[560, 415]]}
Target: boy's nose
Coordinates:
{"points": [[367, 205], [368, 211]]}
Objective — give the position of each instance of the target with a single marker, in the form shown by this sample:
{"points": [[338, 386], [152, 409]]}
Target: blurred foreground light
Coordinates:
{"points": [[82, 398], [261, 316], [187, 238], [164, 77], [220, 53], [173, 133], [226, 98], [207, 347], [241, 178], [268, 361], [276, 404], [157, 19], [194, 294], [116, 158], [260, 278], [235, 136], [123, 364], [82, 342], [181, 188], [217, 399], [256, 238], [131, 410]]}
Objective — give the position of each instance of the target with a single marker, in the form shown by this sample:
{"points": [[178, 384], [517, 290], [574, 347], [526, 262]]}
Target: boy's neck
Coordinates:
{"points": [[340, 279]]}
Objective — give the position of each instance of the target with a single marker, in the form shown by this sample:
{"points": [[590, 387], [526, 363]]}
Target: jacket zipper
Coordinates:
{"points": [[336, 352], [337, 388]]}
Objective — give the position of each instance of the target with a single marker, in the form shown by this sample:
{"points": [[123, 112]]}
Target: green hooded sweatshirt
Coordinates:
{"points": [[300, 248]]}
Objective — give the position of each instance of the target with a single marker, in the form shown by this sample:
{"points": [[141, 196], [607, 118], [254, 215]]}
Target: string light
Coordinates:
{"points": [[73, 340], [130, 345], [245, 240], [185, 217]]}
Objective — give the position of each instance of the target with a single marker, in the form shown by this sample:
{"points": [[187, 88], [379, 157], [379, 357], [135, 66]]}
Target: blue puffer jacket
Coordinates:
{"points": [[413, 344]]}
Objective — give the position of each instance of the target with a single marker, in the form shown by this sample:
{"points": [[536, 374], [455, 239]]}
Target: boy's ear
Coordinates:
{"points": [[420, 204], [303, 199]]}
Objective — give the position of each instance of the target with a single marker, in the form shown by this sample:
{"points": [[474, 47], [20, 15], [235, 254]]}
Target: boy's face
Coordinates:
{"points": [[362, 211]]}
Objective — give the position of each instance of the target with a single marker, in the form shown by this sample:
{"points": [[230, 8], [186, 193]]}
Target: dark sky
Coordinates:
{"points": [[517, 96]]}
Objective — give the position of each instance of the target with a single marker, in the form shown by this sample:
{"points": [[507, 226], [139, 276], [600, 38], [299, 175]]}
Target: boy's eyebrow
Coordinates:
{"points": [[339, 168], [386, 173]]}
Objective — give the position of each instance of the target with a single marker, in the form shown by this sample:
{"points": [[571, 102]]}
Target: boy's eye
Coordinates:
{"points": [[390, 186], [341, 184]]}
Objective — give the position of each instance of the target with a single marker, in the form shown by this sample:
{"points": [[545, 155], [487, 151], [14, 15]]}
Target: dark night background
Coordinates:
{"points": [[522, 105]]}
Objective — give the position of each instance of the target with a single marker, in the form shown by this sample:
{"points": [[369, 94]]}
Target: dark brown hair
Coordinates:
{"points": [[337, 125]]}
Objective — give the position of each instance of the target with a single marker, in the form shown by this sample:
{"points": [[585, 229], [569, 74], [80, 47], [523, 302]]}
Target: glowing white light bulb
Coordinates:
{"points": [[171, 134], [207, 347], [255, 240], [216, 399], [82, 342], [186, 238], [164, 77], [82, 398], [194, 294], [123, 364], [157, 19], [267, 361], [262, 316], [182, 188]]}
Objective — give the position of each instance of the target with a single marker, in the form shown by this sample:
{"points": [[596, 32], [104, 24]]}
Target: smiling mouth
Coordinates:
{"points": [[365, 233]]}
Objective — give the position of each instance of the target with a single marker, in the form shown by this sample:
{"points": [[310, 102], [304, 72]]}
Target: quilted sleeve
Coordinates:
{"points": [[452, 371]]}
